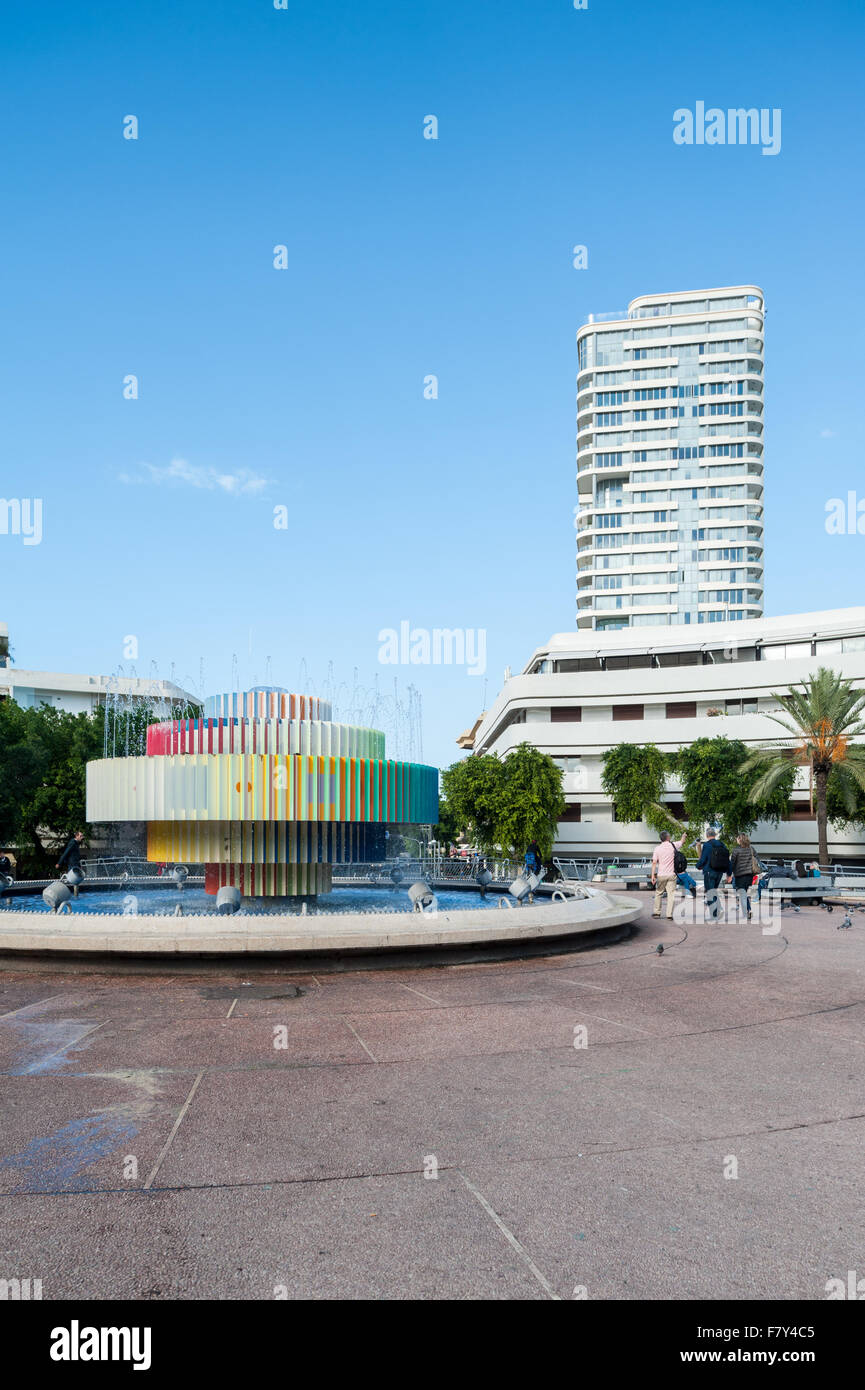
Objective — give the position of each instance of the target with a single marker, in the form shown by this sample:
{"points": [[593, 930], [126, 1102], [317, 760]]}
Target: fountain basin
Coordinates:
{"points": [[286, 934]]}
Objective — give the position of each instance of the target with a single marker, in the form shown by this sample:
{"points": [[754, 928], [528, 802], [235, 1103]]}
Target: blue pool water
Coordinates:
{"points": [[146, 902]]}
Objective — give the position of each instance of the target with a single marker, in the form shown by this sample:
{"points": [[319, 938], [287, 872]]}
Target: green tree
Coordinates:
{"points": [[822, 719], [24, 763], [533, 802], [506, 803], [58, 806], [634, 776], [473, 790], [447, 831], [720, 789]]}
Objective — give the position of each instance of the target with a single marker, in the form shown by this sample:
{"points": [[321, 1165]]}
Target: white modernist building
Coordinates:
{"points": [[584, 692], [83, 694], [670, 461], [76, 694]]}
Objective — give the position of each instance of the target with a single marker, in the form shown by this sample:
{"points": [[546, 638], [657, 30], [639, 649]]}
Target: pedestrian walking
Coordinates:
{"points": [[664, 872], [532, 859], [714, 862], [71, 856], [743, 867]]}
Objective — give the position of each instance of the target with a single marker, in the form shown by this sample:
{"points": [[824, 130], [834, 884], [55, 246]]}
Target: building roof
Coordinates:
{"points": [[833, 622]]}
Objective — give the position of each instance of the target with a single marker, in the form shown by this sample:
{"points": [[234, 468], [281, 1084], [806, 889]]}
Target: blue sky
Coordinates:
{"points": [[407, 257]]}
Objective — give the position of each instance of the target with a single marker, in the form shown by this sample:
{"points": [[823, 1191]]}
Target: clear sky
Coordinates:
{"points": [[406, 257]]}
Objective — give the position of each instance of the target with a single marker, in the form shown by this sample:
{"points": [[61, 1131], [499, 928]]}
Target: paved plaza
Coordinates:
{"points": [[243, 1132]]}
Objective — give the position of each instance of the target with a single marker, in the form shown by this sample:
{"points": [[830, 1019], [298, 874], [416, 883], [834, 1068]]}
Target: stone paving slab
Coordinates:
{"points": [[603, 1164], [75, 1134], [400, 1237], [666, 1223]]}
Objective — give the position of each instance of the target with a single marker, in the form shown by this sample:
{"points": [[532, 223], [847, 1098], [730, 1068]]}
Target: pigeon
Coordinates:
{"points": [[846, 923], [659, 950]]}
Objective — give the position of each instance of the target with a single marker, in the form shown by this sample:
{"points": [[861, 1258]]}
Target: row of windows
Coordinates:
{"points": [[630, 601], [731, 554], [606, 419], [633, 538], [635, 581], [623, 459], [628, 375], [682, 494]]}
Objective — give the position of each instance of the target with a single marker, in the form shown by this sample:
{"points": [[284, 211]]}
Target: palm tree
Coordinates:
{"points": [[823, 719]]}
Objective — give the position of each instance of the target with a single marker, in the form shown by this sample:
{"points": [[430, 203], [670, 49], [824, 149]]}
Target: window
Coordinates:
{"points": [[567, 714], [744, 706], [641, 661], [573, 812], [683, 709], [623, 712]]}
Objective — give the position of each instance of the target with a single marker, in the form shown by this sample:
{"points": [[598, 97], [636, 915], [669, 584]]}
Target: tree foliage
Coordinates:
{"points": [[506, 803], [634, 777], [43, 756], [719, 790], [821, 719]]}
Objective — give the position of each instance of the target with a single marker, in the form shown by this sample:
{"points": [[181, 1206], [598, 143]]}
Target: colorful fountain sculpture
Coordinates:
{"points": [[266, 791]]}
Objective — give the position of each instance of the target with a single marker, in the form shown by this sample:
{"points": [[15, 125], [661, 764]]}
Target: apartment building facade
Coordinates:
{"points": [[670, 461]]}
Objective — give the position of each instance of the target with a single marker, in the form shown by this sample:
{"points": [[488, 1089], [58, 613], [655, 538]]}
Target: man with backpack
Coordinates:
{"points": [[664, 872], [715, 863]]}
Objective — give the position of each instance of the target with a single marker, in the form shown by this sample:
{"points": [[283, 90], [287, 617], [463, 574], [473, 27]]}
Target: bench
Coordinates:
{"points": [[800, 889], [631, 875], [853, 884]]}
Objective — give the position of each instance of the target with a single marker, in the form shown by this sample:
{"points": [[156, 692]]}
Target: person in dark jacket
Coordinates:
{"points": [[533, 858], [742, 871], [71, 856], [714, 862]]}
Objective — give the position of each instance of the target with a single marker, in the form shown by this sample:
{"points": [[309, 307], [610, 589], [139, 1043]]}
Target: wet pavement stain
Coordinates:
{"points": [[43, 1046], [53, 1163]]}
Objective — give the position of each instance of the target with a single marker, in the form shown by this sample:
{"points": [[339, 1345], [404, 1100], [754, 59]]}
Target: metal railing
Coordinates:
{"points": [[578, 870]]}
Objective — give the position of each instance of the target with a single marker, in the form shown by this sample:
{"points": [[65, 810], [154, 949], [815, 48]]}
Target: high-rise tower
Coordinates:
{"points": [[670, 460]]}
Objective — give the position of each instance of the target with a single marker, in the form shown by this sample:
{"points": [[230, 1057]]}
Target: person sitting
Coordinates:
{"points": [[781, 872]]}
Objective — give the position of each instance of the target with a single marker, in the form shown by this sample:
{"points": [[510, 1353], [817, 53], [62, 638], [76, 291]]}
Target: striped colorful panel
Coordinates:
{"points": [[263, 842], [270, 880], [265, 704], [256, 786], [264, 736]]}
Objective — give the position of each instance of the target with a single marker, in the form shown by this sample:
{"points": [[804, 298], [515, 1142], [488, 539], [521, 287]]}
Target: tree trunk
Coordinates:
{"points": [[821, 777]]}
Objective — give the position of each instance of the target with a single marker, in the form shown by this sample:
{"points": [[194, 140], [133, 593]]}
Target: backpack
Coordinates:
{"points": [[680, 863], [719, 858]]}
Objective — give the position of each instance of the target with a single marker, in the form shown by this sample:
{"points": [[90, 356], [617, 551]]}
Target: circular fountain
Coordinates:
{"points": [[249, 810], [266, 791]]}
